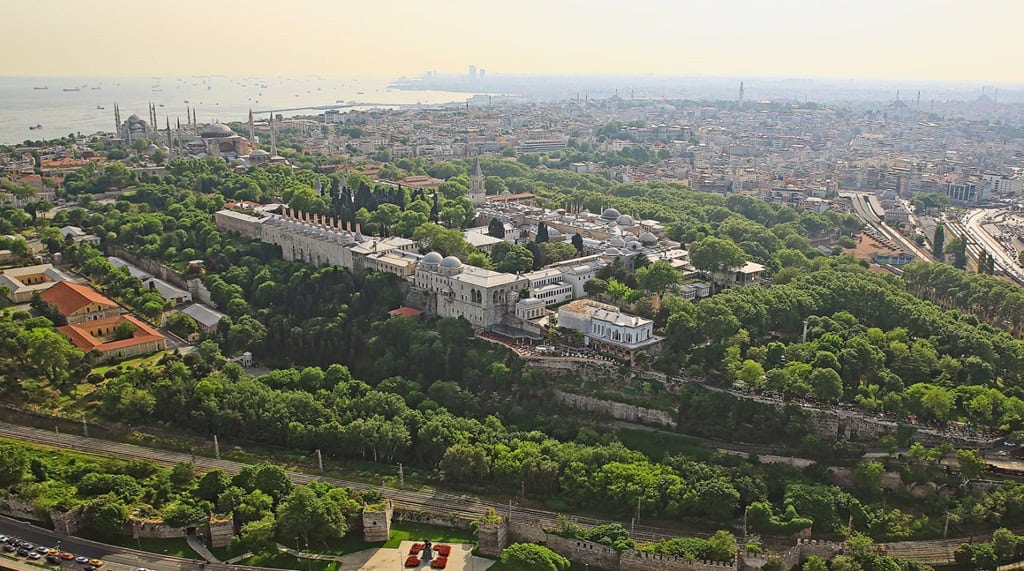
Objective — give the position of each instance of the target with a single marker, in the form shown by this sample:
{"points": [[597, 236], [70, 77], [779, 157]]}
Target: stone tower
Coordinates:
{"points": [[477, 193]]}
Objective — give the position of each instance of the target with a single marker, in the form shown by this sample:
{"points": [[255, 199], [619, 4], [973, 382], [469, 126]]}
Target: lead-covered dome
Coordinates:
{"points": [[431, 258], [217, 130], [451, 263], [610, 214]]}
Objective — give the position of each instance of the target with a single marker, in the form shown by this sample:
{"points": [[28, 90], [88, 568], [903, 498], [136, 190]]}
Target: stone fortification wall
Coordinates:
{"points": [[805, 548], [616, 410], [19, 509], [492, 537], [166, 273], [220, 532], [441, 520], [154, 530], [642, 561], [377, 523], [584, 552]]}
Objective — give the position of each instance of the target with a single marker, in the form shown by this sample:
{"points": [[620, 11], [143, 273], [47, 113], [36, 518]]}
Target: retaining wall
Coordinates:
{"points": [[617, 410], [377, 524]]}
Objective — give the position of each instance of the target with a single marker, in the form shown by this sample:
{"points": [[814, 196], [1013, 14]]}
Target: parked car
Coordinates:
{"points": [[9, 548], [81, 559], [53, 559], [34, 556], [67, 556], [42, 550], [88, 568], [96, 563], [22, 552]]}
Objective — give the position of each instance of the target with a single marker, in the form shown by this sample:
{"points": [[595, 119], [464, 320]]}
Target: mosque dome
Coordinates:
{"points": [[258, 153], [610, 214], [630, 238], [216, 130], [431, 258], [133, 118], [648, 239], [612, 252], [617, 242], [635, 246], [451, 263], [625, 220]]}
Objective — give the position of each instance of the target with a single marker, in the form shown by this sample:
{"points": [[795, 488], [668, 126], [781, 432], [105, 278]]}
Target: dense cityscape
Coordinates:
{"points": [[608, 321]]}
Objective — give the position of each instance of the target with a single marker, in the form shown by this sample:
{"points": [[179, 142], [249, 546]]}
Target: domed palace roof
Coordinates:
{"points": [[216, 130], [625, 220], [610, 214], [451, 262], [431, 258], [648, 239]]}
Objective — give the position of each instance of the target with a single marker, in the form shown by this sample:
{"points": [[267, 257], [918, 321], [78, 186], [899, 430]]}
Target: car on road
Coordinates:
{"points": [[67, 556], [81, 559], [53, 559], [96, 563]]}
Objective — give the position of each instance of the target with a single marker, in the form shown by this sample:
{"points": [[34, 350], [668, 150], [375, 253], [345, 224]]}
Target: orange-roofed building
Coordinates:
{"points": [[79, 303], [100, 335], [403, 311]]}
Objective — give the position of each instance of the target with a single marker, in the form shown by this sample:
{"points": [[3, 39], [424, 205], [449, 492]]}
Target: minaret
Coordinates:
{"points": [[117, 120], [741, 94], [252, 129], [273, 137], [477, 191], [170, 143], [188, 116]]}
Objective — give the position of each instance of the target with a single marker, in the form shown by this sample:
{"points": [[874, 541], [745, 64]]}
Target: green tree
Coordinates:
{"points": [[971, 463], [496, 228], [531, 557], [815, 563], [13, 463], [105, 516], [258, 536], [657, 277], [542, 233], [516, 260], [125, 330], [939, 242], [716, 256], [867, 477], [212, 485]]}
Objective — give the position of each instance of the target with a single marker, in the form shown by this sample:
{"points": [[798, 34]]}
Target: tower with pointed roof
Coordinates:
{"points": [[477, 192]]}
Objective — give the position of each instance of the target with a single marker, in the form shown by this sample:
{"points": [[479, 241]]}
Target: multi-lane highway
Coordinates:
{"points": [[972, 223]]}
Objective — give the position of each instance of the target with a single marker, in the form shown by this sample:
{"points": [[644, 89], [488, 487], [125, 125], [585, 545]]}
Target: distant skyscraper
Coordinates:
{"points": [[483, 73], [472, 72]]}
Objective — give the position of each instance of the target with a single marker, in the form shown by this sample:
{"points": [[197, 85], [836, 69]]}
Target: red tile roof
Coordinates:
{"points": [[404, 312], [79, 334], [69, 297]]}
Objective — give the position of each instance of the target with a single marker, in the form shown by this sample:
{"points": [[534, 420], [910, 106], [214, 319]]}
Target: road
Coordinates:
{"points": [[425, 500], [115, 558]]}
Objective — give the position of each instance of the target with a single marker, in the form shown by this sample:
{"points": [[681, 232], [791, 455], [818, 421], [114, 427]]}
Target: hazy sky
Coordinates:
{"points": [[897, 39]]}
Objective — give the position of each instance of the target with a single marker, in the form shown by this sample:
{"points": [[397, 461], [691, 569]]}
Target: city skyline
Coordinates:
{"points": [[910, 40]]}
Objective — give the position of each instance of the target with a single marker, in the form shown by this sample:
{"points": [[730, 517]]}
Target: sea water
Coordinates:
{"points": [[73, 104]]}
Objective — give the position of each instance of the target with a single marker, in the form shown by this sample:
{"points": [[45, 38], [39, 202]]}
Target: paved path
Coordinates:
{"points": [[200, 548]]}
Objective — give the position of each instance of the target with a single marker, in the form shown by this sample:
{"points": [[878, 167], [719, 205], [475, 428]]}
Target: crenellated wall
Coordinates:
{"points": [[616, 410], [492, 537], [377, 523]]}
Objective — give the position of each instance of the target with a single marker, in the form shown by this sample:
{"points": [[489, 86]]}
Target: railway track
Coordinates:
{"points": [[430, 500]]}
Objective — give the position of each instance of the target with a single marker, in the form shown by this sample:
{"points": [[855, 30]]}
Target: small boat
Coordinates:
{"points": [[40, 88], [186, 101], [99, 107], [95, 88], [71, 89], [33, 128], [359, 93]]}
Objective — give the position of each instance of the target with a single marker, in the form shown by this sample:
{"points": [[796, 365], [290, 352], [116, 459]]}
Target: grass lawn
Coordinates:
{"points": [[658, 444], [225, 553], [408, 531], [146, 361], [285, 561], [177, 547]]}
